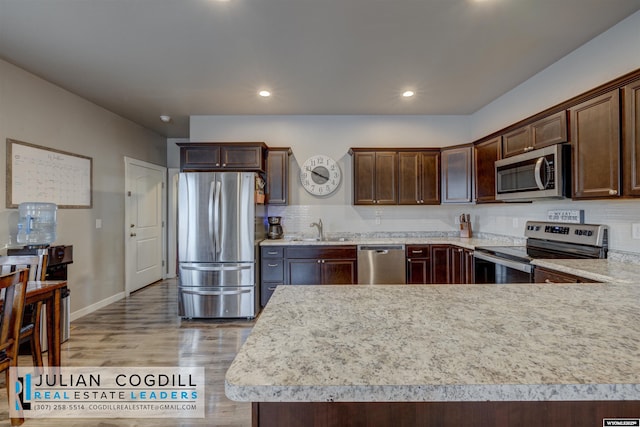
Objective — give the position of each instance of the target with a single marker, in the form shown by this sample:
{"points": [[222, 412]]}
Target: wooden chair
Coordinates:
{"points": [[13, 287], [30, 329]]}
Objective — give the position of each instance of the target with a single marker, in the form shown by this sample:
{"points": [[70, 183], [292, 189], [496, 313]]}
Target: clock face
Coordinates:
{"points": [[320, 175]]}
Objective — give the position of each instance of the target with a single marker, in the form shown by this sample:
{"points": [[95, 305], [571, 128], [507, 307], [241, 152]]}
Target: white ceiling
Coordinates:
{"points": [[144, 58]]}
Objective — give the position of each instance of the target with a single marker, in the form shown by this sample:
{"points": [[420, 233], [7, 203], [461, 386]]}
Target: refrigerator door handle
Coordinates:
{"points": [[216, 217], [235, 267], [211, 213], [217, 293]]}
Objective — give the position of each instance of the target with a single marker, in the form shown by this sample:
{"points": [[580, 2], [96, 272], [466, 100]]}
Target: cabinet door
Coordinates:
{"points": [[303, 271], [485, 155], [595, 133], [409, 178], [199, 158], [242, 158], [364, 178], [456, 175], [339, 271], [430, 178], [419, 178], [440, 264], [631, 166], [457, 265], [550, 130], [418, 271], [418, 264], [386, 178], [278, 176], [469, 266], [517, 141]]}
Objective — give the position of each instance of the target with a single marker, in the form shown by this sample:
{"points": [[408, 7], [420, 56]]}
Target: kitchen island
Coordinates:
{"points": [[463, 355]]}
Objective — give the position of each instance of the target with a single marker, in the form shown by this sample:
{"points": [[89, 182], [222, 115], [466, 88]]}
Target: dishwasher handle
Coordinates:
{"points": [[381, 248]]}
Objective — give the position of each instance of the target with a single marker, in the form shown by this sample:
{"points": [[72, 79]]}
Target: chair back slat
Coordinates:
{"points": [[14, 286], [37, 264]]}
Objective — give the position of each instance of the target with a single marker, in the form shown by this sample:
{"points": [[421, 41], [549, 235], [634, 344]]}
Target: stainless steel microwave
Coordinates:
{"points": [[544, 173]]}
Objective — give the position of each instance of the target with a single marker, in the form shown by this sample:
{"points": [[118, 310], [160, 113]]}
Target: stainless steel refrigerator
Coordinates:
{"points": [[219, 229]]}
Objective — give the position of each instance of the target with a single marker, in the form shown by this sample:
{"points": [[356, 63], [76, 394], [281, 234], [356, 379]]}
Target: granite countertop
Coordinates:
{"points": [[601, 270], [468, 243], [442, 343]]}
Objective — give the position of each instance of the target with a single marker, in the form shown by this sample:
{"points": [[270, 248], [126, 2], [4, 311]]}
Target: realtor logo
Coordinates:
{"points": [[22, 390], [107, 392], [626, 422]]}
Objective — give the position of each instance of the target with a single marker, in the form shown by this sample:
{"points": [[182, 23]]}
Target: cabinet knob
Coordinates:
{"points": [[217, 164], [319, 261], [613, 192], [224, 165], [323, 261]]}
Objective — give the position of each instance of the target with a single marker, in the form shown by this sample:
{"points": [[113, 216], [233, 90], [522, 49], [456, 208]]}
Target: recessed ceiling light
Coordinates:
{"points": [[408, 93], [264, 93], [164, 118]]}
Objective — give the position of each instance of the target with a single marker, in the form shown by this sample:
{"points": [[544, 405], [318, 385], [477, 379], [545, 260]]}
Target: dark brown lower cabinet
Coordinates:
{"points": [[321, 265], [418, 264], [543, 275], [441, 414], [440, 264], [451, 265]]}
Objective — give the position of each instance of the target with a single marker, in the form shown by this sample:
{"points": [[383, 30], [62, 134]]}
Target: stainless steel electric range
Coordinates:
{"points": [[512, 264]]}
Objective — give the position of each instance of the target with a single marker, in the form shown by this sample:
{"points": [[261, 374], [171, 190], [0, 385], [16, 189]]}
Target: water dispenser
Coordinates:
{"points": [[37, 223]]}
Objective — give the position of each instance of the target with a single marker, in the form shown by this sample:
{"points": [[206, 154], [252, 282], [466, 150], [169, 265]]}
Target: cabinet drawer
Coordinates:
{"points": [[418, 251], [266, 290], [272, 251], [272, 270], [542, 275]]}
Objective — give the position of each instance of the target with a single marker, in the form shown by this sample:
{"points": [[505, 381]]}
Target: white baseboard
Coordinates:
{"points": [[93, 307]]}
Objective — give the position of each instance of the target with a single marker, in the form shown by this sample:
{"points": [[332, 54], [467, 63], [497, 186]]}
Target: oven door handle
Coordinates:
{"points": [[526, 268]]}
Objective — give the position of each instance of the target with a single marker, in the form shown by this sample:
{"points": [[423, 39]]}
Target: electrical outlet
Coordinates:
{"points": [[456, 220], [635, 231]]}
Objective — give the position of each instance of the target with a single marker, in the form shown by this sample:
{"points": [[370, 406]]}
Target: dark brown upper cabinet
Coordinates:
{"points": [[229, 156], [485, 155], [278, 175], [631, 141], [375, 177], [546, 131], [419, 177], [457, 174], [595, 134]]}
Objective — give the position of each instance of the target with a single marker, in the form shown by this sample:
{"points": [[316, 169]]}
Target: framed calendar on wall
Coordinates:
{"points": [[41, 174]]}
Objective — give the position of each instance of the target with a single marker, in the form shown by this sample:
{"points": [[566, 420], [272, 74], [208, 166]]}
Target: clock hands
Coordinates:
{"points": [[326, 178]]}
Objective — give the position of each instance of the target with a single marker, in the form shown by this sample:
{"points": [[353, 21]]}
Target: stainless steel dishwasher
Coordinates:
{"points": [[381, 264]]}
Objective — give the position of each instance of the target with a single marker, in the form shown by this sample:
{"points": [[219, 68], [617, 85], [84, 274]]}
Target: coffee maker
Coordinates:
{"points": [[275, 228]]}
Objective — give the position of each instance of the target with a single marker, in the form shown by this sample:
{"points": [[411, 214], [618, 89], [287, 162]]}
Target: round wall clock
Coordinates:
{"points": [[320, 175]]}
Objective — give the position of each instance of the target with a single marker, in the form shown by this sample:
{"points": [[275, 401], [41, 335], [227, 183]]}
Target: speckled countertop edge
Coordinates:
{"points": [[489, 342]]}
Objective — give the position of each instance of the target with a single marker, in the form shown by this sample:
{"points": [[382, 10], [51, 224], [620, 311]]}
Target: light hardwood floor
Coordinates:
{"points": [[144, 330]]}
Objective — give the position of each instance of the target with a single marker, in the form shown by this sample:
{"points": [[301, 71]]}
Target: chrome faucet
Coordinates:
{"points": [[319, 225]]}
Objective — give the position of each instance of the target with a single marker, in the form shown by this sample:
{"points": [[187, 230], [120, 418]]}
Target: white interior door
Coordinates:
{"points": [[144, 225]]}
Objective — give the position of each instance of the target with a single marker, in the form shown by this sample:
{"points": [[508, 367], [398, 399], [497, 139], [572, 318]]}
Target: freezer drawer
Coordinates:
{"points": [[217, 274], [216, 302]]}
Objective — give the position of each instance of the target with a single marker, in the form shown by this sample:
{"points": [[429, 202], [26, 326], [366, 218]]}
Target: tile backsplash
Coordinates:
{"points": [[491, 219]]}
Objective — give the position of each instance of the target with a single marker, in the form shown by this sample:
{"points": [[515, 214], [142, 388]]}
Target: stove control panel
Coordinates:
{"points": [[585, 234]]}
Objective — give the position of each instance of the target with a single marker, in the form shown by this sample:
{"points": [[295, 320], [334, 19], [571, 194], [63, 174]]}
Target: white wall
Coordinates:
{"points": [[606, 57], [38, 112]]}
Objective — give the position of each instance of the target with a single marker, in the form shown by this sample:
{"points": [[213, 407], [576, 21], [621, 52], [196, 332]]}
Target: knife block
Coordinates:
{"points": [[465, 229]]}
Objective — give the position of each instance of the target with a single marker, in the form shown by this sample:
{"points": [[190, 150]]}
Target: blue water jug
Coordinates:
{"points": [[37, 223]]}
